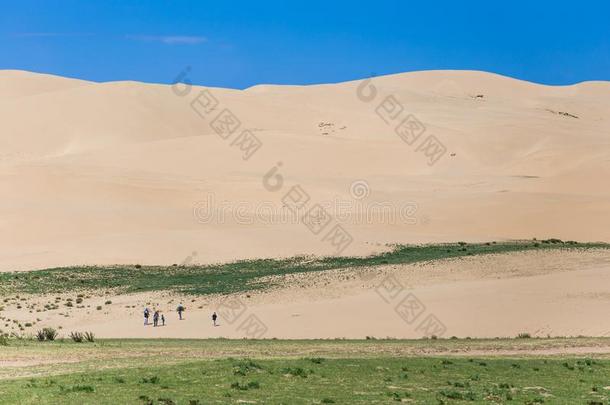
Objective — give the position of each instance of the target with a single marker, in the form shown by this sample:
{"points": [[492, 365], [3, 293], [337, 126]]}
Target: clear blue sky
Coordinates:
{"points": [[242, 43]]}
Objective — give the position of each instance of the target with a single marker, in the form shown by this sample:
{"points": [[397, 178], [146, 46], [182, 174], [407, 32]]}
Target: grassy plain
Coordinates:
{"points": [[525, 371]]}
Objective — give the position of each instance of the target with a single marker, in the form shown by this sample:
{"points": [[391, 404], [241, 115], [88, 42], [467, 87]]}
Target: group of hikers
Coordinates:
{"points": [[157, 315]]}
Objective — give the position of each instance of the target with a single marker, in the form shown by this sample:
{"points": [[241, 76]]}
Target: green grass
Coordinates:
{"points": [[386, 379], [443, 371], [244, 275]]}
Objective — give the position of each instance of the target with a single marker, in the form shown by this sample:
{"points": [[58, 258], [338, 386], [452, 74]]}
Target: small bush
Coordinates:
{"points": [[296, 372], [46, 334], [89, 337], [77, 388], [524, 336], [83, 388], [244, 367], [146, 399], [150, 380], [452, 394], [77, 337], [244, 387], [236, 385]]}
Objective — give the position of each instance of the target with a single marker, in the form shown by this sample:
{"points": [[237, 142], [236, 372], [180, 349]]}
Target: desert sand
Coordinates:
{"points": [[552, 293], [126, 172]]}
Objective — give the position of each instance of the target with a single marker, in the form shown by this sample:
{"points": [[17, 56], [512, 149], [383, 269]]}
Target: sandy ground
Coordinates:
{"points": [[125, 172], [553, 293]]}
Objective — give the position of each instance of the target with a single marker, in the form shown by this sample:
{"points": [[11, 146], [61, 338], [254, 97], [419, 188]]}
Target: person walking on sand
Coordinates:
{"points": [[163, 319], [214, 317], [156, 318], [146, 315], [180, 310]]}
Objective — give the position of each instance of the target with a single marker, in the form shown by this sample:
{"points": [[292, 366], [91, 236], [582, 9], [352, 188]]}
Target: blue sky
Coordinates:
{"points": [[242, 43]]}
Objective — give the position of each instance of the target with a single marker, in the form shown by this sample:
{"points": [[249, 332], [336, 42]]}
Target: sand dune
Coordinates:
{"points": [[545, 293], [125, 172]]}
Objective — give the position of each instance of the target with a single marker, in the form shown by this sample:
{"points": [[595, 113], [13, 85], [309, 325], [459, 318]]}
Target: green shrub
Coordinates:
{"points": [[50, 333], [295, 371], [150, 380], [46, 334], [83, 388], [77, 388], [236, 385], [244, 387], [452, 394], [244, 367]]}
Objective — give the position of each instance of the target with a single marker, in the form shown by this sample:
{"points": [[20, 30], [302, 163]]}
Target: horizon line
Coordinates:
{"points": [[373, 76]]}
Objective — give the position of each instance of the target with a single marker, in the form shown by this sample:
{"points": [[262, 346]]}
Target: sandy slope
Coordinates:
{"points": [[113, 172], [542, 293]]}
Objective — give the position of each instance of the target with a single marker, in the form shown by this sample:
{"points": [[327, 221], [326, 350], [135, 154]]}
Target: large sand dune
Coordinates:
{"points": [[125, 172]]}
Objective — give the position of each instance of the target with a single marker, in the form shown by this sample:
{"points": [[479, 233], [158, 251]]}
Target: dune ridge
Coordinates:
{"points": [[104, 173]]}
